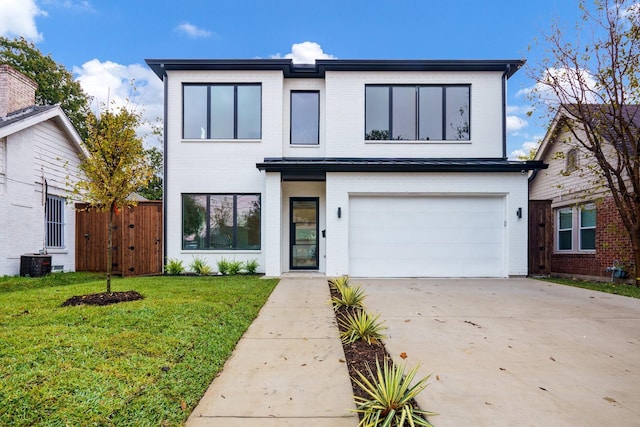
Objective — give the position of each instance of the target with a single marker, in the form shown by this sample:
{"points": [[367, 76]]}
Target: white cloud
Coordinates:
{"points": [[18, 19], [574, 85], [525, 149], [515, 123], [110, 82], [305, 53], [192, 31]]}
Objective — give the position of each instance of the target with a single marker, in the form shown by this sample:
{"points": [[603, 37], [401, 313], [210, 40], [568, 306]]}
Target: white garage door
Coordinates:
{"points": [[426, 236]]}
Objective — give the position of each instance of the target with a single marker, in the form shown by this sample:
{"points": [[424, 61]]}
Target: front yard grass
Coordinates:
{"points": [[608, 287], [142, 363]]}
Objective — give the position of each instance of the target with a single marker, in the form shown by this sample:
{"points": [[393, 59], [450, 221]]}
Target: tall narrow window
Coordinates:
{"points": [[55, 222], [565, 229], [572, 160], [222, 111], [305, 118], [587, 228]]}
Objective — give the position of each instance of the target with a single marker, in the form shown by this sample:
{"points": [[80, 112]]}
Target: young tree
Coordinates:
{"points": [[115, 167], [55, 84], [152, 190], [595, 84]]}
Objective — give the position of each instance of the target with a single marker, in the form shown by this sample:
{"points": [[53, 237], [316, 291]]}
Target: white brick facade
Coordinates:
{"points": [[208, 166]]}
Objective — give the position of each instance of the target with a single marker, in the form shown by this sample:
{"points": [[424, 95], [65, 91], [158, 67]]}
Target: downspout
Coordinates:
{"points": [[165, 79], [504, 111], [534, 173]]}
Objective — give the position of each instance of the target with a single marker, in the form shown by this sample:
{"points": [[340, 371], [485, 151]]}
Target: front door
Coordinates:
{"points": [[304, 234]]}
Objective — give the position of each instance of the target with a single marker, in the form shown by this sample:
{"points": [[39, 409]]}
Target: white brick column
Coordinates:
{"points": [[271, 241]]}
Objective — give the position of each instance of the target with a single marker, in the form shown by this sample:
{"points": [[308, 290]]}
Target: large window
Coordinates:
{"points": [[576, 228], [305, 117], [55, 222], [221, 221], [427, 113], [222, 111]]}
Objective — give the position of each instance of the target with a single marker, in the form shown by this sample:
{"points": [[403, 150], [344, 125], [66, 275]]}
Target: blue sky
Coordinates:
{"points": [[104, 42]]}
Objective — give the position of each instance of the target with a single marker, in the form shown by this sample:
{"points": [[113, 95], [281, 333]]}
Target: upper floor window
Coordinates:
{"points": [[221, 221], [222, 111], [416, 112], [305, 117], [55, 222], [572, 160]]}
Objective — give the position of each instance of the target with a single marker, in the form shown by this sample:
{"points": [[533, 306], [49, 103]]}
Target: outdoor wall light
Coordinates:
{"points": [[519, 213], [339, 212]]}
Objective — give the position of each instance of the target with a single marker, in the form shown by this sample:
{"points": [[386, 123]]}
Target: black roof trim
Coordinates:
{"points": [[309, 165], [317, 70]]}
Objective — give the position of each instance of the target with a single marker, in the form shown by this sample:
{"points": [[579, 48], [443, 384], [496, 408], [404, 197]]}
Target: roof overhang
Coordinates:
{"points": [[315, 168], [321, 66]]}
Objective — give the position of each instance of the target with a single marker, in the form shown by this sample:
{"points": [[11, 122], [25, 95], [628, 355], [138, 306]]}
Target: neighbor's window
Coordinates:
{"points": [[417, 112], [55, 222], [588, 228], [221, 221], [565, 229], [576, 228], [222, 111], [572, 160], [305, 117]]}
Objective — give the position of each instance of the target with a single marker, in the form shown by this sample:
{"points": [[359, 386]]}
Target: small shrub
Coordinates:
{"points": [[358, 325], [235, 267], [339, 283], [351, 297], [251, 266], [223, 266], [389, 397], [174, 266], [199, 265]]}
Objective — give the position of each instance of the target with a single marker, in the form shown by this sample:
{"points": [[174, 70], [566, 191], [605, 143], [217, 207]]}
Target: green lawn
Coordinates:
{"points": [[608, 287], [142, 363]]}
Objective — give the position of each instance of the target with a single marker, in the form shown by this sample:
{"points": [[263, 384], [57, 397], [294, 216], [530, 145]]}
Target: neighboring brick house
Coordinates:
{"points": [[377, 168], [586, 234], [39, 154]]}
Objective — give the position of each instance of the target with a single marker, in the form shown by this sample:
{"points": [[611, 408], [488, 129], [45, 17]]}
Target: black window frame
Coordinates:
{"points": [[417, 87], [207, 238], [291, 141], [208, 106]]}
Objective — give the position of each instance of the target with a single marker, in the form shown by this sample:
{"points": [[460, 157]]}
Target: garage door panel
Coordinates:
{"points": [[426, 236]]}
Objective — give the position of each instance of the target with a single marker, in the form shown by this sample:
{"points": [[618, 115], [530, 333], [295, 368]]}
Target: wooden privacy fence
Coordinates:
{"points": [[137, 239]]}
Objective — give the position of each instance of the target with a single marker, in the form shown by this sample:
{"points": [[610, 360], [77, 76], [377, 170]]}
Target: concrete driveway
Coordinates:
{"points": [[515, 352]]}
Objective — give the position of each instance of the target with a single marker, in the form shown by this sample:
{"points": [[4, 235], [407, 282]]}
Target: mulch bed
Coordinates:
{"points": [[104, 298]]}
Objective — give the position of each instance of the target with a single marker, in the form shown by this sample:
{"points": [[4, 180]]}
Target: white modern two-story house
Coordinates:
{"points": [[377, 168]]}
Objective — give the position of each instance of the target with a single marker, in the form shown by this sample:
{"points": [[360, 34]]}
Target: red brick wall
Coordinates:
{"points": [[612, 243], [16, 90]]}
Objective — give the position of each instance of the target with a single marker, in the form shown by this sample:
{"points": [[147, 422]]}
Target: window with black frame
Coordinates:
{"points": [[305, 117], [55, 222], [221, 221], [417, 112], [222, 111]]}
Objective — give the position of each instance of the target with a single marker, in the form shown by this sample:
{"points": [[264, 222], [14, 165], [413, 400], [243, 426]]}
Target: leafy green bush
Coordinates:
{"points": [[351, 297], [173, 266], [223, 266], [199, 265], [358, 325], [251, 266], [390, 394], [235, 267]]}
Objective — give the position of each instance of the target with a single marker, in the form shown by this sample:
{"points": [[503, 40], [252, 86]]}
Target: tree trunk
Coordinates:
{"points": [[635, 244], [109, 248]]}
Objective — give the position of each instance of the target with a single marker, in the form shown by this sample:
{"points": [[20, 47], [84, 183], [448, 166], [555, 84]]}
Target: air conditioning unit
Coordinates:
{"points": [[35, 265]]}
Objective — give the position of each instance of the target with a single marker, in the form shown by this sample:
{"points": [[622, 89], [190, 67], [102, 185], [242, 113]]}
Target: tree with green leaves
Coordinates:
{"points": [[114, 168], [592, 79], [152, 190], [56, 84]]}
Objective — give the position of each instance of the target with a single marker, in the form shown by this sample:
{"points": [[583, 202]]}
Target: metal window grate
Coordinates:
{"points": [[55, 222]]}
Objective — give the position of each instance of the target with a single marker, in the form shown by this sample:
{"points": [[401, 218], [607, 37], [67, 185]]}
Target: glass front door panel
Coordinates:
{"points": [[304, 234]]}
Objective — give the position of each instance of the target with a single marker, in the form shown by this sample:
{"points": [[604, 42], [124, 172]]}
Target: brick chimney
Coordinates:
{"points": [[17, 91]]}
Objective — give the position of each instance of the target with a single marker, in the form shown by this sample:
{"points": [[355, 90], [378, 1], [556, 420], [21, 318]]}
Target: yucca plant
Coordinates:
{"points": [[351, 297], [199, 265], [173, 266], [339, 283], [390, 395], [223, 266], [251, 266], [359, 325], [235, 267]]}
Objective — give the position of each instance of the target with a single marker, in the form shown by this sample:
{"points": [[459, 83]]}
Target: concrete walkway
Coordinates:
{"points": [[287, 370]]}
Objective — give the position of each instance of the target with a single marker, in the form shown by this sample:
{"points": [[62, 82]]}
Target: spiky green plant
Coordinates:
{"points": [[359, 325], [339, 283], [199, 265], [351, 297], [390, 394], [235, 267], [223, 266], [174, 266], [251, 266]]}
